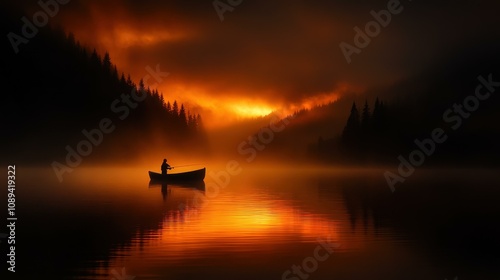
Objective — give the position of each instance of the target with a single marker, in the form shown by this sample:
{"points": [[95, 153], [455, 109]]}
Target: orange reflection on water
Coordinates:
{"points": [[249, 221], [242, 227]]}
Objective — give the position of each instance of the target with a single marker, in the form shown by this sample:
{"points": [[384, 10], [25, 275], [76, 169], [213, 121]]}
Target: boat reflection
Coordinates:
{"points": [[166, 187]]}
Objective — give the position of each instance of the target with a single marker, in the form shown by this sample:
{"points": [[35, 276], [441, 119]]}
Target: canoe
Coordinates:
{"points": [[195, 175]]}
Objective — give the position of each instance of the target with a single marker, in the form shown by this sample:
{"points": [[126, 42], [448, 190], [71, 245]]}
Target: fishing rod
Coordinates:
{"points": [[187, 165]]}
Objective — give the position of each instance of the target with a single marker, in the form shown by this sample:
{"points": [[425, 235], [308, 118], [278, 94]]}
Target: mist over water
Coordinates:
{"points": [[259, 224]]}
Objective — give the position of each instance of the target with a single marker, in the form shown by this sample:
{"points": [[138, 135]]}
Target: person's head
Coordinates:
{"points": [[164, 160]]}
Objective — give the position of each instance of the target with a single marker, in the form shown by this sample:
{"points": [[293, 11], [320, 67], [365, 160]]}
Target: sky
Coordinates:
{"points": [[273, 55]]}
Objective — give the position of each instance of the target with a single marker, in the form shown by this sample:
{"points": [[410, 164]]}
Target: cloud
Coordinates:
{"points": [[282, 53]]}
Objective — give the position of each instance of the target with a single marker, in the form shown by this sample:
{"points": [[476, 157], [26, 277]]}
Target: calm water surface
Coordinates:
{"points": [[112, 223]]}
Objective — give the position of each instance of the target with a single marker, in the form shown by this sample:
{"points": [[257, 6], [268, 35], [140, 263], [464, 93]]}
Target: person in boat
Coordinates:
{"points": [[164, 167]]}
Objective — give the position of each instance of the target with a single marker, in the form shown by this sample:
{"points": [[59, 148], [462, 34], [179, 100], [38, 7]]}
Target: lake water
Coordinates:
{"points": [[110, 223]]}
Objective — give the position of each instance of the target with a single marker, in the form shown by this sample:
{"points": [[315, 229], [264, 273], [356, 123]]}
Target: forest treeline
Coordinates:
{"points": [[445, 98], [54, 88], [457, 94], [367, 135]]}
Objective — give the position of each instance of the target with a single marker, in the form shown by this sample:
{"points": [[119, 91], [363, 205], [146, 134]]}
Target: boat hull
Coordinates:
{"points": [[191, 176]]}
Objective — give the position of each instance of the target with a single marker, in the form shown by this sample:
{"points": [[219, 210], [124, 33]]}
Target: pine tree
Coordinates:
{"points": [[353, 121], [162, 99], [141, 85], [366, 118], [95, 59], [376, 113], [168, 107], [130, 83], [182, 115], [351, 131], [106, 63], [122, 79], [175, 109]]}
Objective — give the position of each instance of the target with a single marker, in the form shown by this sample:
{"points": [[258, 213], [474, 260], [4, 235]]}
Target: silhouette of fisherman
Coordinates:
{"points": [[164, 167]]}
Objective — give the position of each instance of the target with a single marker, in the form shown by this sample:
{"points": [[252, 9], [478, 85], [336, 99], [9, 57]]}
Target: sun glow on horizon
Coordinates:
{"points": [[230, 107], [250, 110]]}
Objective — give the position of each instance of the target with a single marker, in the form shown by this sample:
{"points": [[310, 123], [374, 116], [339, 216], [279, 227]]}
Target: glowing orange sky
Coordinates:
{"points": [[132, 40], [266, 56], [120, 38]]}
